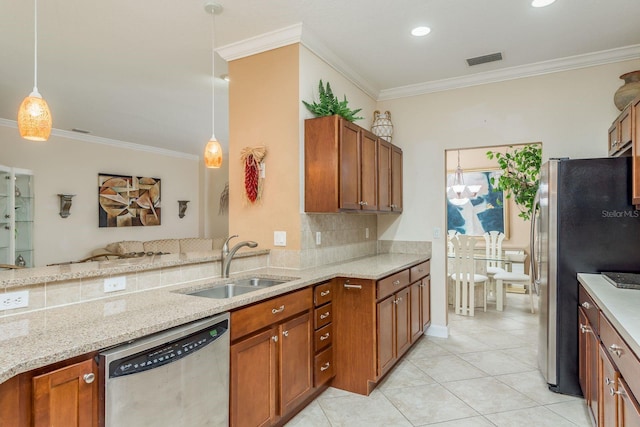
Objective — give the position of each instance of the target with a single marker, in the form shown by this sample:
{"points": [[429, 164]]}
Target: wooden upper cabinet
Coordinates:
{"points": [[396, 179], [343, 168], [635, 150]]}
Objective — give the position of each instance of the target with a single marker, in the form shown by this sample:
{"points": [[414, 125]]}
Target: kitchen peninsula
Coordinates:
{"points": [[46, 336]]}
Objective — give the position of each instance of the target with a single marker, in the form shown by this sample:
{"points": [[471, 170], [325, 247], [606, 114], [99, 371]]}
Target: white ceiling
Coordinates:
{"points": [[139, 71]]}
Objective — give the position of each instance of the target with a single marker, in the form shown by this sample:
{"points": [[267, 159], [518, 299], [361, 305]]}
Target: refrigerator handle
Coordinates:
{"points": [[535, 272]]}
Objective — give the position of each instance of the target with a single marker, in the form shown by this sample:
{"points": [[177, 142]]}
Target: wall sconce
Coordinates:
{"points": [[65, 204], [182, 207]]}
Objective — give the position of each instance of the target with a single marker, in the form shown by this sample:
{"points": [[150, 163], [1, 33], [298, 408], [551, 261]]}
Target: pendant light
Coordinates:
{"points": [[34, 117], [213, 150], [460, 189]]}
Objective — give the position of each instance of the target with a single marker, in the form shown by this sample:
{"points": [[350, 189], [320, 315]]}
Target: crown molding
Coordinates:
{"points": [[262, 43], [546, 67], [110, 142]]}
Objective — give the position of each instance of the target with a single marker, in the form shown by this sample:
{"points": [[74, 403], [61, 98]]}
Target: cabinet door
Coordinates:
{"points": [[295, 361], [582, 353], [608, 379], [403, 321], [253, 380], [349, 165], [628, 408], [369, 171], [67, 396], [425, 299], [396, 179], [588, 362], [384, 175], [386, 333], [416, 310], [635, 150]]}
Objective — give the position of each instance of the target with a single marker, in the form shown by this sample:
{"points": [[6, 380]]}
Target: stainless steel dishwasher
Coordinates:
{"points": [[179, 377]]}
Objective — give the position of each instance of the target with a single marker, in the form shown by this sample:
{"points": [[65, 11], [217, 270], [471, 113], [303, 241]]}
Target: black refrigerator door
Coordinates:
{"points": [[598, 230]]}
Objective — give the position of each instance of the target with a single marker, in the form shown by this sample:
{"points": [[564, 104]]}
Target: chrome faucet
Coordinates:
{"points": [[227, 254]]}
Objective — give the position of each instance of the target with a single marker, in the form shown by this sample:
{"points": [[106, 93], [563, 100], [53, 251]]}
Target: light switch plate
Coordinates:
{"points": [[279, 238], [366, 233], [318, 238], [112, 284]]}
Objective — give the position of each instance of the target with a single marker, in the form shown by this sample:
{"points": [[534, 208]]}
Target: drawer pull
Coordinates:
{"points": [[616, 349], [325, 367], [325, 315], [324, 337], [420, 270], [363, 203], [396, 282], [608, 381], [584, 328], [88, 378], [324, 293], [397, 301], [277, 310], [586, 305], [285, 333], [613, 392], [274, 338], [348, 286]]}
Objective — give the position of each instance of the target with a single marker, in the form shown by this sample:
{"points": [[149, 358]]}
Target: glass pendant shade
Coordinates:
{"points": [[34, 118], [213, 153]]}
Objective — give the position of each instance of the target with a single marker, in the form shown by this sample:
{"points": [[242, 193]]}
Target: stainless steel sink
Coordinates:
{"points": [[238, 287]]}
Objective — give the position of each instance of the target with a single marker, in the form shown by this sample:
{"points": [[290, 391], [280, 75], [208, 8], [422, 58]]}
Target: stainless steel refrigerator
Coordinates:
{"points": [[585, 223]]}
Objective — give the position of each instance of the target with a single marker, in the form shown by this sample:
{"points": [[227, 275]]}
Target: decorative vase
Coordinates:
{"points": [[382, 125], [629, 90]]}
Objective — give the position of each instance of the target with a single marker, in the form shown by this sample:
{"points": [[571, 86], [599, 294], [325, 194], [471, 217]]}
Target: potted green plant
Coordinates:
{"points": [[520, 177], [328, 105]]}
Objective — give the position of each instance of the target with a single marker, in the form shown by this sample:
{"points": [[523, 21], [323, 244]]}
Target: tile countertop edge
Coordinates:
{"points": [[33, 340], [620, 306]]}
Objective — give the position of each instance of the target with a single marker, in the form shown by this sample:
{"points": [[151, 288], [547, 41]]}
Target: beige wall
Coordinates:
{"points": [[64, 165], [264, 110], [569, 112]]}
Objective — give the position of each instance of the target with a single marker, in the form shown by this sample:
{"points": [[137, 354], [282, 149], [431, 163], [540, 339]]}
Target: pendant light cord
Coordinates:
{"points": [[35, 50], [213, 76]]}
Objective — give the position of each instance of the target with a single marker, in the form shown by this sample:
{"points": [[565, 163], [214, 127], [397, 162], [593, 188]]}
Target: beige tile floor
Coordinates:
{"points": [[484, 374]]}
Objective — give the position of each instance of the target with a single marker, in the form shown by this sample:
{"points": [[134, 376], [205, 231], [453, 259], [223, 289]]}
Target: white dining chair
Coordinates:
{"points": [[465, 277], [493, 252], [508, 277]]}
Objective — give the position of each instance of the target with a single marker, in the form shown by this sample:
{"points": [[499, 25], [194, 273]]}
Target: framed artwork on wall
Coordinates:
{"points": [[128, 201], [477, 213]]}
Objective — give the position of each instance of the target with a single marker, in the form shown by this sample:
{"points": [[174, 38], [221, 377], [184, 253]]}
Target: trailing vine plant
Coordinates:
{"points": [[521, 176], [328, 105]]}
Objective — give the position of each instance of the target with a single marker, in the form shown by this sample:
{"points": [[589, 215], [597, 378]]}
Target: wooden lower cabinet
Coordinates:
{"points": [[64, 394], [589, 348], [608, 378], [628, 407]]}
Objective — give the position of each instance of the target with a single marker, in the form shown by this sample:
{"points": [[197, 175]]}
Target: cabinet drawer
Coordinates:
{"points": [[322, 316], [393, 283], [323, 337], [621, 355], [264, 314], [323, 369], [590, 309], [419, 271], [322, 294]]}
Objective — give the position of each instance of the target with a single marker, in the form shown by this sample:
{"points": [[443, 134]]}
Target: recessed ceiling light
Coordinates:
{"points": [[541, 3], [420, 31]]}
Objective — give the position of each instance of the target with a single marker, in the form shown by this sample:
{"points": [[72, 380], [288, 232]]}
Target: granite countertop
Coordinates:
{"points": [[39, 338], [620, 306]]}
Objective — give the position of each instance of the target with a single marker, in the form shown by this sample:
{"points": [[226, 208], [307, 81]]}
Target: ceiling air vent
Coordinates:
{"points": [[492, 57]]}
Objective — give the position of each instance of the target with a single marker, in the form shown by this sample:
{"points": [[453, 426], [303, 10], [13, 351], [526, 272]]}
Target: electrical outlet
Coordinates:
{"points": [[318, 238], [112, 284], [366, 233], [279, 238], [11, 300]]}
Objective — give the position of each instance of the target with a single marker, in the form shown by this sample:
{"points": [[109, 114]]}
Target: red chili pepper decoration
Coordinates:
{"points": [[251, 176]]}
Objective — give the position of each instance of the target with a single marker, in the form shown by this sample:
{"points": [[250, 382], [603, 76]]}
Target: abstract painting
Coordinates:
{"points": [[476, 213], [128, 201]]}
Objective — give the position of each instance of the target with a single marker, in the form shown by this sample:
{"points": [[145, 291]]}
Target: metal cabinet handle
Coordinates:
{"points": [[277, 310], [325, 315], [584, 328], [363, 203], [274, 338], [348, 286], [613, 392], [608, 381], [89, 378], [394, 206], [616, 349], [324, 293], [285, 333], [586, 305], [324, 337], [325, 367], [396, 282]]}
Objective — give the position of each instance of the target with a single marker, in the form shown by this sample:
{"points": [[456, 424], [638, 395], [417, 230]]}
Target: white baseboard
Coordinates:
{"points": [[439, 331]]}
